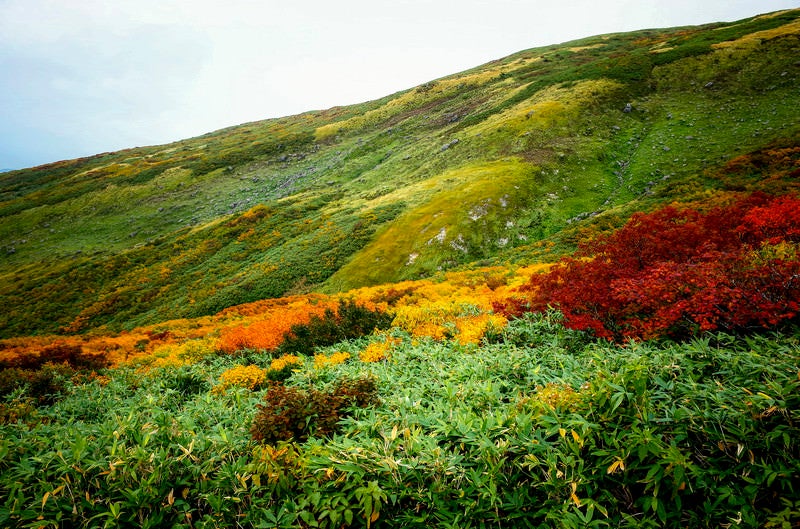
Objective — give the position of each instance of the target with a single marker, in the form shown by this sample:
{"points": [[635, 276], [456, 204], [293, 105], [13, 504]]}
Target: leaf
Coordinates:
{"points": [[577, 437], [573, 496], [618, 464]]}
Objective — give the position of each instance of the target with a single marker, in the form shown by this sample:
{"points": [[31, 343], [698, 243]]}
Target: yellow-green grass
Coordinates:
{"points": [[468, 206]]}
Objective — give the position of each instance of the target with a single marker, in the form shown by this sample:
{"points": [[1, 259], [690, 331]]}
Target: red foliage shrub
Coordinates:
{"points": [[678, 271], [291, 413]]}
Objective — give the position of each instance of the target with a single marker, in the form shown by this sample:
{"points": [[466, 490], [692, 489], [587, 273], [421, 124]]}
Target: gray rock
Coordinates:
{"points": [[449, 144]]}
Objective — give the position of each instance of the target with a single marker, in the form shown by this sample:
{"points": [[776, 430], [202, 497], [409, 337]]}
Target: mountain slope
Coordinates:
{"points": [[478, 166]]}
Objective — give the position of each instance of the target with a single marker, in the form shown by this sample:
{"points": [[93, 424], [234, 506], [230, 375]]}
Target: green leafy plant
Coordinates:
{"points": [[349, 320]]}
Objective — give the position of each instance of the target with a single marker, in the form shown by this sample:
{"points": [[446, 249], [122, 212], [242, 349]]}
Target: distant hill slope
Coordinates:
{"points": [[480, 166]]}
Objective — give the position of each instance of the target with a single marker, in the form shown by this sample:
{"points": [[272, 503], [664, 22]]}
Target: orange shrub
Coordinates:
{"points": [[268, 334]]}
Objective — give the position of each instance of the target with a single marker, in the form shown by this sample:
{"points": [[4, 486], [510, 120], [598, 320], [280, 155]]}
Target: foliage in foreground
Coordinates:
{"points": [[544, 427]]}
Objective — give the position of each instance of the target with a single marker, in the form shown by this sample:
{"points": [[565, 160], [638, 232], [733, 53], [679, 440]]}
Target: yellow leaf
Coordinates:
{"points": [[374, 517], [574, 496], [577, 437], [171, 496], [44, 500], [613, 466], [576, 500], [562, 432]]}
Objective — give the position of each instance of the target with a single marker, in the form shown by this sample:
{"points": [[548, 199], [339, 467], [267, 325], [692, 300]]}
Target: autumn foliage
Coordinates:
{"points": [[288, 412], [268, 333], [677, 271]]}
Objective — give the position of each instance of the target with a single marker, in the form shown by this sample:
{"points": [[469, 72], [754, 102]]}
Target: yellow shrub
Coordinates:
{"points": [[377, 351], [431, 330], [250, 377], [553, 396], [320, 360], [286, 360], [471, 329], [457, 314]]}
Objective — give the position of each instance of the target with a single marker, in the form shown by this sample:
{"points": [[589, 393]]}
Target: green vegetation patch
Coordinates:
{"points": [[471, 212], [542, 427]]}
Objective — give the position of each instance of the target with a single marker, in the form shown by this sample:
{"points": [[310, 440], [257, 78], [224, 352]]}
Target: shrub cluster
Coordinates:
{"points": [[679, 271], [42, 377], [281, 368], [350, 320], [377, 351], [250, 377], [291, 413], [57, 353], [44, 385], [322, 360]]}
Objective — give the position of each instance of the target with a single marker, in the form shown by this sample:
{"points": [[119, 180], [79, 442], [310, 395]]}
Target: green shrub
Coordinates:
{"points": [[182, 383], [44, 385], [12, 379], [349, 321]]}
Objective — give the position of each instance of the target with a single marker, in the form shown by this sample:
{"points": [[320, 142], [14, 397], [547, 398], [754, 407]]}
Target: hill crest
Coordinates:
{"points": [[487, 166]]}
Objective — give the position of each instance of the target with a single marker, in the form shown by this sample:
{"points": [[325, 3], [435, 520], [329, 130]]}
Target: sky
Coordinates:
{"points": [[81, 77]]}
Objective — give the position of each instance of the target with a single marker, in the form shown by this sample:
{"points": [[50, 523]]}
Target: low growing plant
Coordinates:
{"points": [[289, 413], [250, 377], [350, 320]]}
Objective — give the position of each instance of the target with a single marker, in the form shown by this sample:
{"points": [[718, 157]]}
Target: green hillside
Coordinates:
{"points": [[479, 166]]}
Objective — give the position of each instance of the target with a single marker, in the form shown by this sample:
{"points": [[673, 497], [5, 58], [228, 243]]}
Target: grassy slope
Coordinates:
{"points": [[383, 191]]}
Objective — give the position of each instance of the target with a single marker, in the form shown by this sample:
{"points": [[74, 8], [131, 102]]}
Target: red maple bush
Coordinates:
{"points": [[678, 271]]}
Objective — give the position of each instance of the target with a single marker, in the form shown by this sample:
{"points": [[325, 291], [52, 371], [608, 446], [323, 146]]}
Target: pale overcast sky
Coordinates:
{"points": [[79, 77]]}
